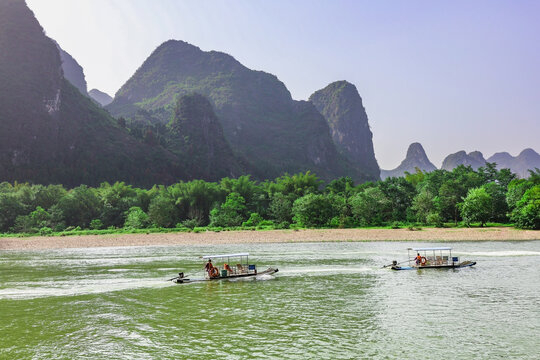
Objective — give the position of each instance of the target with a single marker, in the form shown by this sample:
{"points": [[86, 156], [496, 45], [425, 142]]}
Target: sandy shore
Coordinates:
{"points": [[274, 236]]}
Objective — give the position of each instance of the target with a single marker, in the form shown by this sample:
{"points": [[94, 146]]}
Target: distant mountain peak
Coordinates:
{"points": [[528, 152], [100, 97], [475, 159], [416, 158], [528, 159], [416, 151]]}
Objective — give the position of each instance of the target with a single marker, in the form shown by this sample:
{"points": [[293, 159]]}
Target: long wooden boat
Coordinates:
{"points": [[431, 258], [226, 271]]}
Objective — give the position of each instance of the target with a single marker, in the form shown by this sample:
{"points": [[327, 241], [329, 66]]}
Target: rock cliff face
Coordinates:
{"points": [[100, 97], [527, 160], [196, 134], [73, 72], [342, 107], [416, 158], [260, 120], [475, 159], [49, 131]]}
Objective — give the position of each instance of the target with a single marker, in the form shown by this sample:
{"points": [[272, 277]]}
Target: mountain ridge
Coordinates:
{"points": [[260, 119]]}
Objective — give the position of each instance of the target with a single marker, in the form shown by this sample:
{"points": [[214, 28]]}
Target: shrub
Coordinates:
{"points": [[136, 219], [96, 224], [190, 223], [315, 210], [230, 213], [265, 224], [335, 222], [526, 214], [254, 220], [44, 231], [434, 219]]}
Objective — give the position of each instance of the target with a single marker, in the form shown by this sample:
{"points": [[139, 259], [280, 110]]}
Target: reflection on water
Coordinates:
{"points": [[329, 300]]}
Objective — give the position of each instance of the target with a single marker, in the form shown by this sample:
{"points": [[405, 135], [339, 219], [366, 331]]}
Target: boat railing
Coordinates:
{"points": [[431, 257], [238, 269]]}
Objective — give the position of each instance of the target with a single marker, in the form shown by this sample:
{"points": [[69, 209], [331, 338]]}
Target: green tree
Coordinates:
{"points": [[163, 212], [280, 209], [247, 188], [117, 199], [296, 185], [499, 207], [415, 178], [254, 220], [196, 198], [516, 190], [315, 210], [343, 186], [79, 206], [477, 206], [371, 207], [10, 209], [526, 214], [424, 204], [231, 213], [450, 195], [400, 193], [136, 218]]}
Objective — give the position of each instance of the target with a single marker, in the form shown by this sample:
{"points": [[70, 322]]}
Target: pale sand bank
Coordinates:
{"points": [[273, 236]]}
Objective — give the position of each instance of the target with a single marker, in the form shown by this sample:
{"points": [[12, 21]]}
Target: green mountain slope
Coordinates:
{"points": [[196, 133], [49, 131], [259, 118]]}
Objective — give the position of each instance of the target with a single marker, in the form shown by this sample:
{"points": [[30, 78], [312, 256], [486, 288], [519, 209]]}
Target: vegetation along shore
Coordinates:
{"points": [[445, 200]]}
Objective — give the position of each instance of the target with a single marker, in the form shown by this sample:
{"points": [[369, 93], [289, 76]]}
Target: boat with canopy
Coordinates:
{"points": [[226, 266], [430, 258]]}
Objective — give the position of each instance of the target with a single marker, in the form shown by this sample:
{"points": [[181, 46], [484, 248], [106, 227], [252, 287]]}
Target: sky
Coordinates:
{"points": [[452, 75]]}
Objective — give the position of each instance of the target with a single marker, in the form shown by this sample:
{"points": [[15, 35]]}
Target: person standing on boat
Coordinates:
{"points": [[418, 259], [208, 267]]}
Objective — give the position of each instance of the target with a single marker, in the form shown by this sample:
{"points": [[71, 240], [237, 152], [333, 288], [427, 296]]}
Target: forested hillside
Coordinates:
{"points": [[260, 120], [49, 131]]}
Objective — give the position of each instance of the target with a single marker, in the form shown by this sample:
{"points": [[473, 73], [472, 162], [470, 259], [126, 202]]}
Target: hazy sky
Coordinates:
{"points": [[452, 75]]}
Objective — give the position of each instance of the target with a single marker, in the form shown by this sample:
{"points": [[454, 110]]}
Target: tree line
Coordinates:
{"points": [[462, 196]]}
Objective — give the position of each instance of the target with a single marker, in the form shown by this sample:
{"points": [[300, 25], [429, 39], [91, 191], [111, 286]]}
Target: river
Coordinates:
{"points": [[328, 301]]}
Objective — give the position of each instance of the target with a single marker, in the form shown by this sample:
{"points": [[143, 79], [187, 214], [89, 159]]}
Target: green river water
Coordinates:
{"points": [[328, 301]]}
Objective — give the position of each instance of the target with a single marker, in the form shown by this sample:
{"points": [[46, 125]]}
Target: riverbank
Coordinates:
{"points": [[270, 236]]}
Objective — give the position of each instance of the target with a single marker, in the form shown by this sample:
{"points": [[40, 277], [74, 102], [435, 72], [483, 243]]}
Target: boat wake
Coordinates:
{"points": [[265, 277], [510, 253], [26, 290], [325, 270]]}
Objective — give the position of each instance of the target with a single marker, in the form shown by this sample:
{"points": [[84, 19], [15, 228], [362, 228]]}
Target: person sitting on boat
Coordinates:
{"points": [[418, 259]]}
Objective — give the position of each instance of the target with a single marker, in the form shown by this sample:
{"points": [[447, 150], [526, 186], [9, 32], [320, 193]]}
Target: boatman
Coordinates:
{"points": [[418, 259], [208, 266]]}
